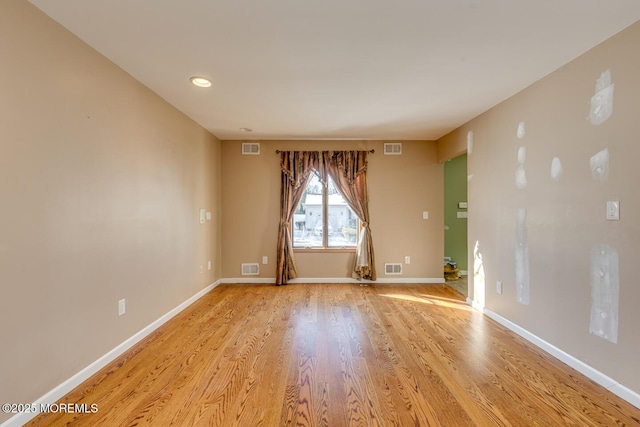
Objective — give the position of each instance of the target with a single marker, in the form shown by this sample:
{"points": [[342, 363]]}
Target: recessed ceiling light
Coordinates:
{"points": [[246, 129], [200, 81]]}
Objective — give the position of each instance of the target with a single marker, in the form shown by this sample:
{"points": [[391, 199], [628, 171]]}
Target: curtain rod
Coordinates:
{"points": [[282, 151]]}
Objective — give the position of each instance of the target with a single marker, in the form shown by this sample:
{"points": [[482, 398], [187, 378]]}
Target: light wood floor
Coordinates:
{"points": [[339, 355], [461, 285]]}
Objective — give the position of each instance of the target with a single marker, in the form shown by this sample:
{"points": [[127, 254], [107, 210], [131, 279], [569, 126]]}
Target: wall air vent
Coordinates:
{"points": [[392, 269], [250, 269], [393, 148], [251, 148]]}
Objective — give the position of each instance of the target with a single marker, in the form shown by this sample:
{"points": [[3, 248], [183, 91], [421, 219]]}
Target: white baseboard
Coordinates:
{"points": [[61, 390], [597, 376], [475, 304], [334, 280], [411, 280]]}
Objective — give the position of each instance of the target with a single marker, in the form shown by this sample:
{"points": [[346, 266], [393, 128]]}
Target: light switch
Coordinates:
{"points": [[425, 215], [613, 210]]}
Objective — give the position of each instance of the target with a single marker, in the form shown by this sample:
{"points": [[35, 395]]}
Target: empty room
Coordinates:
{"points": [[337, 213]]}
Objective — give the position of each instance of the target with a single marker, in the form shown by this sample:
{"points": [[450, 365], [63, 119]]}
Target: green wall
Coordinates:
{"points": [[455, 190]]}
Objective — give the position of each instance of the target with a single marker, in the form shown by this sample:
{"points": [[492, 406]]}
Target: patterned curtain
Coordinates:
{"points": [[348, 169], [296, 168]]}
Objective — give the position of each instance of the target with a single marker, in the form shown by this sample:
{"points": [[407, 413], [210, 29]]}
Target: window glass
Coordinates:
{"points": [[308, 218], [311, 230], [342, 221]]}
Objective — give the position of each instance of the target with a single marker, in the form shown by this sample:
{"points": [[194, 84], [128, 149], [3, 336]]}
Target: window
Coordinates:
{"points": [[323, 219]]}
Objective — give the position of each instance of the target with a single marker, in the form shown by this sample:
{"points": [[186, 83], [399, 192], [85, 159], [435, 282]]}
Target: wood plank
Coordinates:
{"points": [[338, 355]]}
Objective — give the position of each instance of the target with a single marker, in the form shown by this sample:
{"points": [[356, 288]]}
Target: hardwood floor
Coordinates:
{"points": [[461, 285], [339, 355]]}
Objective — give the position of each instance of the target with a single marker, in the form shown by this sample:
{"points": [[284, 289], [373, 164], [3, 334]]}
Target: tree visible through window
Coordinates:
{"points": [[323, 218]]}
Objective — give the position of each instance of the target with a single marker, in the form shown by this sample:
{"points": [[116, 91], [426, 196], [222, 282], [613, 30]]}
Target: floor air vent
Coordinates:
{"points": [[250, 269], [392, 269], [250, 148], [393, 148]]}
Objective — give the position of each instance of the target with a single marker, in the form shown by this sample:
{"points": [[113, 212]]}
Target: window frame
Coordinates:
{"points": [[325, 226]]}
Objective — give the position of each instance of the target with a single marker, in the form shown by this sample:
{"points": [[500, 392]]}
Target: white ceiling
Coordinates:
{"points": [[340, 69]]}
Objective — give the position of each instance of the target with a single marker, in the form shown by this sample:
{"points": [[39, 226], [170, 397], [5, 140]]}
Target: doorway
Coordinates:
{"points": [[455, 223]]}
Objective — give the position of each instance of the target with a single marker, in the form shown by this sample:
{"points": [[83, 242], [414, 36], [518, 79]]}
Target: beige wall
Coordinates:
{"points": [[565, 219], [100, 185], [400, 189]]}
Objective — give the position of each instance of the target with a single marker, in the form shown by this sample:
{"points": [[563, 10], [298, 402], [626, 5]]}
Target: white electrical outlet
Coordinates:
{"points": [[425, 215], [498, 287], [407, 260], [265, 260], [122, 308], [209, 265]]}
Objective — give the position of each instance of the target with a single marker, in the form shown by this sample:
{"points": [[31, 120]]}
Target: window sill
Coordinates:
{"points": [[323, 250]]}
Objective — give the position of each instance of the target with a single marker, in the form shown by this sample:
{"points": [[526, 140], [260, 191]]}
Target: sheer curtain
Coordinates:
{"points": [[296, 168], [348, 169]]}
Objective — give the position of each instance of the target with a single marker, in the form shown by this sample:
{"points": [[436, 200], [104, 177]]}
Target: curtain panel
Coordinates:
{"points": [[348, 171], [296, 168]]}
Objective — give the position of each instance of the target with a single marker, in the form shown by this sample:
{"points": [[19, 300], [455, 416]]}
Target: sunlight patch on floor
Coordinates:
{"points": [[442, 302]]}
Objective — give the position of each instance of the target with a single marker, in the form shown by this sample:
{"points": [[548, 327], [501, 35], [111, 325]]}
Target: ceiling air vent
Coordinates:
{"points": [[251, 148], [391, 269], [393, 148], [250, 269]]}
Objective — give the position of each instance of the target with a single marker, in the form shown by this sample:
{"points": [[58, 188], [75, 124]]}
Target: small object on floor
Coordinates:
{"points": [[451, 271]]}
